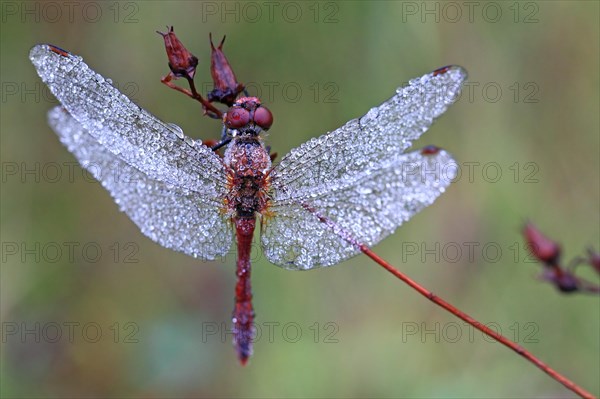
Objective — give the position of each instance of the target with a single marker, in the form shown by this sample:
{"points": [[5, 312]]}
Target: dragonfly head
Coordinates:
{"points": [[248, 116]]}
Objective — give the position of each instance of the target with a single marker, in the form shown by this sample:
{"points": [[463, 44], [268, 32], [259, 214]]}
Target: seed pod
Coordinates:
{"points": [[543, 248], [226, 86], [181, 62]]}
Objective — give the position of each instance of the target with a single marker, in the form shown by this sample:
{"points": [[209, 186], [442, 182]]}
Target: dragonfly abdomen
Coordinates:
{"points": [[243, 313]]}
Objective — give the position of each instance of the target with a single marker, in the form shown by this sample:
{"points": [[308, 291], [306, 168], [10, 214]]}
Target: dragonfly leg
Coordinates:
{"points": [[220, 144], [225, 139]]}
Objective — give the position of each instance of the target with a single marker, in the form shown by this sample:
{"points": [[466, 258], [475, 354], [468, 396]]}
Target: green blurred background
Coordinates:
{"points": [[530, 113]]}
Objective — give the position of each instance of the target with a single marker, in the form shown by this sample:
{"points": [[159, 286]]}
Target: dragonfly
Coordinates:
{"points": [[322, 203]]}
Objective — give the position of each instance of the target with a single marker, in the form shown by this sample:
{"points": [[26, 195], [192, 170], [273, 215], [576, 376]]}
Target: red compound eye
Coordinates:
{"points": [[237, 117], [263, 117]]}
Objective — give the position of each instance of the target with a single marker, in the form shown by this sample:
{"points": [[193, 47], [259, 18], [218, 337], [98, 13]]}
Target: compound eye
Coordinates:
{"points": [[263, 117], [237, 117]]}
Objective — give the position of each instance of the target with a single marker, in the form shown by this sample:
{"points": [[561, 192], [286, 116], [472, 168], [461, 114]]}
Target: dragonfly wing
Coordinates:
{"points": [[366, 211], [353, 177], [155, 148], [337, 158], [174, 217]]}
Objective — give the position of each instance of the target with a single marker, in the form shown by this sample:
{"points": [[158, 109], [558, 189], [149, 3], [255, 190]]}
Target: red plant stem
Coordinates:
{"points": [[491, 333], [206, 106]]}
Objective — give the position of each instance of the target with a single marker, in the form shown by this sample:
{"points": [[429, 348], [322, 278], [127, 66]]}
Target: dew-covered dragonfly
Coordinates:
{"points": [[319, 205]]}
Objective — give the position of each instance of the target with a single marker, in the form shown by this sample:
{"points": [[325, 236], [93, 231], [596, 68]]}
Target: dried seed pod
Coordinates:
{"points": [[226, 86], [543, 248], [181, 62]]}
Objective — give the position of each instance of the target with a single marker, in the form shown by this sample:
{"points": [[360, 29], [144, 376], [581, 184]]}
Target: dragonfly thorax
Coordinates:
{"points": [[248, 162]]}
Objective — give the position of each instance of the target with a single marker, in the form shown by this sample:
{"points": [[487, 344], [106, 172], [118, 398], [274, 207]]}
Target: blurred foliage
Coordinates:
{"points": [[530, 113]]}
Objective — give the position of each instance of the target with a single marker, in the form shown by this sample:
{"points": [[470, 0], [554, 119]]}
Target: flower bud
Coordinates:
{"points": [[543, 248], [226, 86], [181, 62]]}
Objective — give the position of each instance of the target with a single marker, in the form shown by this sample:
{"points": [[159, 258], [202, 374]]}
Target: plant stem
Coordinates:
{"points": [[481, 327]]}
